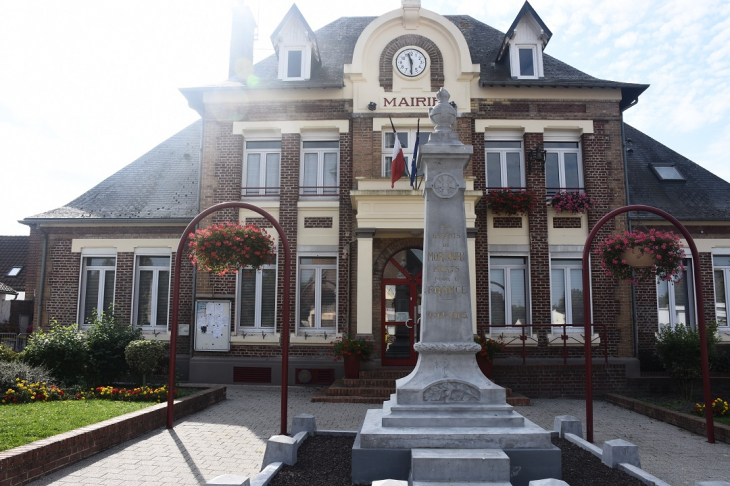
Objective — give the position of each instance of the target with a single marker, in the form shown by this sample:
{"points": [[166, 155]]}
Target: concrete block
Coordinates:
{"points": [[531, 464], [264, 477], [304, 422], [617, 451], [370, 465], [712, 483], [390, 482], [459, 465], [548, 482], [282, 448], [229, 480], [567, 424]]}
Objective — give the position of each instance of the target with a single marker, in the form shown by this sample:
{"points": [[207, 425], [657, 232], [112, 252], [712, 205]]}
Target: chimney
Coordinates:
{"points": [[243, 31]]}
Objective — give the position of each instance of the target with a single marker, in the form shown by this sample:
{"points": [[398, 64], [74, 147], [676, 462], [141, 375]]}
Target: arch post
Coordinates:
{"points": [[700, 315], [285, 307]]}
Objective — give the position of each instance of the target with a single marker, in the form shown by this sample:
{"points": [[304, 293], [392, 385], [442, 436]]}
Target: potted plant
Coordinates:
{"points": [[573, 202], [352, 351], [226, 247], [647, 254], [510, 202], [485, 357]]}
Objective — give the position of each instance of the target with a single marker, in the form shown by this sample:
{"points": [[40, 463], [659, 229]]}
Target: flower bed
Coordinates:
{"points": [[663, 246], [510, 202], [25, 392], [226, 247]]}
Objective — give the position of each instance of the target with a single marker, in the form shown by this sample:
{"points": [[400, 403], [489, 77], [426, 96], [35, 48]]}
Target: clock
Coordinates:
{"points": [[411, 62]]}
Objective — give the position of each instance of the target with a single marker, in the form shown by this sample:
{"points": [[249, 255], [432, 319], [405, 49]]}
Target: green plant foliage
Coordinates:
{"points": [[678, 349], [62, 350], [11, 370], [363, 348], [106, 341], [143, 356], [7, 354]]}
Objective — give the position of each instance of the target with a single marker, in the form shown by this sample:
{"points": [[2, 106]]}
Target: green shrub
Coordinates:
{"points": [[106, 341], [7, 354], [678, 349], [62, 350], [144, 356], [9, 371]]}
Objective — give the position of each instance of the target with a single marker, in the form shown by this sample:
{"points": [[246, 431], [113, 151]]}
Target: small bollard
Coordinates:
{"points": [[304, 422], [548, 482], [619, 451], [567, 424]]}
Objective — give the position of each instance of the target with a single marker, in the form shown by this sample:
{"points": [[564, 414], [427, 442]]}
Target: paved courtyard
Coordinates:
{"points": [[230, 438]]}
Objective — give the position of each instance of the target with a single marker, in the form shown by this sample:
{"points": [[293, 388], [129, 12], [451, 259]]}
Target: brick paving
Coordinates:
{"points": [[230, 438]]}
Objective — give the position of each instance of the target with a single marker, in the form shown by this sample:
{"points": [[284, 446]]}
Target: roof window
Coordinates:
{"points": [[667, 173], [14, 272]]}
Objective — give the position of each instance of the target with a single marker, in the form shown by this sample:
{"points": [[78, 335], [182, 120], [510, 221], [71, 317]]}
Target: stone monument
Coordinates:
{"points": [[447, 423]]}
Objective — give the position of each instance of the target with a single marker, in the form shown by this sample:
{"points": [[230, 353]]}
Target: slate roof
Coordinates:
{"points": [[337, 42], [162, 184], [13, 253], [703, 196]]}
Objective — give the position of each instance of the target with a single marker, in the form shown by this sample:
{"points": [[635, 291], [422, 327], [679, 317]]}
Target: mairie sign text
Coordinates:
{"points": [[409, 101]]}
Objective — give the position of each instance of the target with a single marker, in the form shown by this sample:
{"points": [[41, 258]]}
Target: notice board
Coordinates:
{"points": [[212, 325]]}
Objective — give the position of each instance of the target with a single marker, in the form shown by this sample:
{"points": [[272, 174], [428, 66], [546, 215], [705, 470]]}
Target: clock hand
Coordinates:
{"points": [[410, 60]]}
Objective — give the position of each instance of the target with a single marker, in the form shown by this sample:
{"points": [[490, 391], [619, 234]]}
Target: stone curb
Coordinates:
{"points": [[634, 471], [687, 422], [264, 477], [30, 462]]}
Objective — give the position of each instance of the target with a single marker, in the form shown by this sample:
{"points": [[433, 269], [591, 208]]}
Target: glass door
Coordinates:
{"points": [[401, 307]]}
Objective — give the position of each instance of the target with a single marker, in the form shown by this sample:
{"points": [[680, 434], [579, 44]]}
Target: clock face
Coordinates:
{"points": [[411, 62]]}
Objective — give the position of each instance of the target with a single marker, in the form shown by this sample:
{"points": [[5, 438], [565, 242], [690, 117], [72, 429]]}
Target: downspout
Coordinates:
{"points": [[191, 330], [43, 275], [349, 281], [635, 324]]}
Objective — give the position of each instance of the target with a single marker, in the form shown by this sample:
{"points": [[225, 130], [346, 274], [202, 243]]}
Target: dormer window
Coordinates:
{"points": [[294, 69], [528, 61]]}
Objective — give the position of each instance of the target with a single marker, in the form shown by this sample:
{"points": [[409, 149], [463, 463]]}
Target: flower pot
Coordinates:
{"points": [[634, 258], [352, 366], [486, 366]]}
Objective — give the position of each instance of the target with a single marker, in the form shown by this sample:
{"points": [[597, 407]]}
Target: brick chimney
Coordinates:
{"points": [[243, 30]]}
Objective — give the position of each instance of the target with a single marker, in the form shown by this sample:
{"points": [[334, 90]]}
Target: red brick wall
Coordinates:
{"points": [[346, 229], [558, 380]]}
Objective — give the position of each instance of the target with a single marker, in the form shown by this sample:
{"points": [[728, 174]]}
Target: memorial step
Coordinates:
{"points": [[460, 466]]}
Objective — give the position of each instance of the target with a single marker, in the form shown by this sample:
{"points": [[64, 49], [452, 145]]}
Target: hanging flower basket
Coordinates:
{"points": [[509, 202], [226, 247], [647, 254], [572, 202]]}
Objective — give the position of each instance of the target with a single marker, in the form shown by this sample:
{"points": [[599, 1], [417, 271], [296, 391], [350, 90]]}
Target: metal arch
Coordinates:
{"points": [[700, 315], [285, 306]]}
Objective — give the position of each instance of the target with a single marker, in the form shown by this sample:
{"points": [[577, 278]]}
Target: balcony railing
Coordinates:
{"points": [[319, 191], [249, 191], [551, 191], [521, 334]]}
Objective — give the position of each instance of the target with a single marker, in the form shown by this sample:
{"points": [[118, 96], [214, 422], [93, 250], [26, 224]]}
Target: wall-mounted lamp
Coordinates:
{"points": [[372, 105], [536, 155]]}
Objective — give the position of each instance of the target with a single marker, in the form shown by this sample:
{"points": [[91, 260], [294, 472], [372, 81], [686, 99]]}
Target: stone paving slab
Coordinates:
{"points": [[230, 438]]}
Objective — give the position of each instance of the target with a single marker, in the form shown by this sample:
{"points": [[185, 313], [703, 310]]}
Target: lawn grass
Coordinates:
{"points": [[27, 422]]}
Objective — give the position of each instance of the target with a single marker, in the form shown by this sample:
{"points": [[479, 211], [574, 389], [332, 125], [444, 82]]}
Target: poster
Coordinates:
{"points": [[212, 325]]}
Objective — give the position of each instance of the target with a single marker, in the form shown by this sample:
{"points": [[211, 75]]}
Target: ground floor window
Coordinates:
{"points": [[721, 264], [508, 291], [675, 300], [152, 291], [257, 298], [566, 291], [97, 286], [317, 293]]}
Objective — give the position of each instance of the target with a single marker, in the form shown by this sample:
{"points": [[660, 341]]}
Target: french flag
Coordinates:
{"points": [[398, 164]]}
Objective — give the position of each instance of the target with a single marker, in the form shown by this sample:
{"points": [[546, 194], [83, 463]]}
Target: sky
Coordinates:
{"points": [[88, 86]]}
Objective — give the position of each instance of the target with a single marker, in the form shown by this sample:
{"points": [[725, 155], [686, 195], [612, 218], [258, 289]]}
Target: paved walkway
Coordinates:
{"points": [[230, 438]]}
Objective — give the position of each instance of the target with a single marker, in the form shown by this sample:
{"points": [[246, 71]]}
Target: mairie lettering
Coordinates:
{"points": [[436, 256], [412, 101]]}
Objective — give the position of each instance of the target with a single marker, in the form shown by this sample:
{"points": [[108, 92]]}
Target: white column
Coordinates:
{"points": [[472, 248], [365, 280]]}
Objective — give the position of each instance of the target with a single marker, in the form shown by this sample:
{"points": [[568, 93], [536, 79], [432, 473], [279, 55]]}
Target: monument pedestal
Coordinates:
{"points": [[446, 408]]}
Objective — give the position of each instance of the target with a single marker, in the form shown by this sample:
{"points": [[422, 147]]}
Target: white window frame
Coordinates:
{"points": [[95, 253], [567, 279], [154, 252], [507, 328], [317, 328], [561, 164], [320, 151], [692, 311], [503, 160], [387, 152], [518, 67], [240, 329], [284, 63], [726, 275], [263, 189], [14, 272]]}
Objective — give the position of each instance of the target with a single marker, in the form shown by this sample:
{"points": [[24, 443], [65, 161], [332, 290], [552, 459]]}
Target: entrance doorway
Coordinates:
{"points": [[401, 297]]}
